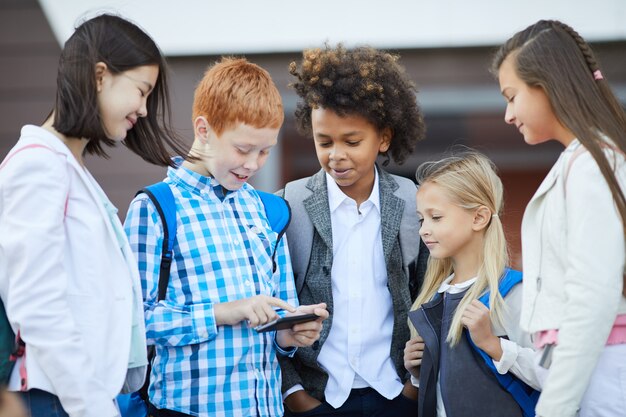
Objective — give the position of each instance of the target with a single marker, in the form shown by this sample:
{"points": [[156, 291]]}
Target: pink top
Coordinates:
{"points": [[616, 337]]}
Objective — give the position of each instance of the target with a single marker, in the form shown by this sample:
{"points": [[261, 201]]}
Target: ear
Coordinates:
{"points": [[100, 70], [386, 134], [482, 218], [201, 129]]}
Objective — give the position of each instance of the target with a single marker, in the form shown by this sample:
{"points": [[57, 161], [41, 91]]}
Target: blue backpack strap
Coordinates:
{"points": [[523, 394], [278, 213], [161, 196], [509, 280]]}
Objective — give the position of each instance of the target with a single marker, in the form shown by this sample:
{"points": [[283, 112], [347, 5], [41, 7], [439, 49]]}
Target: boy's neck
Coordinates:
{"points": [[360, 192], [196, 167]]}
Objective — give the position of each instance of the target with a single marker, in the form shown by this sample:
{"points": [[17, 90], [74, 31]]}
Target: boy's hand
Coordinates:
{"points": [[476, 319], [413, 352], [301, 402], [257, 310], [303, 334]]}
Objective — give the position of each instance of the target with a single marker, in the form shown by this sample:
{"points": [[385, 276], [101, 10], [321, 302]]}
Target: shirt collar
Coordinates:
{"points": [[336, 197], [455, 288], [193, 181]]}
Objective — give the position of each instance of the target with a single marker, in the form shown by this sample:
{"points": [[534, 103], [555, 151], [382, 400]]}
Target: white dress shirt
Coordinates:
{"points": [[357, 351]]}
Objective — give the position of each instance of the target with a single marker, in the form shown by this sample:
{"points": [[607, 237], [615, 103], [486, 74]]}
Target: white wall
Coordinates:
{"points": [[199, 27]]}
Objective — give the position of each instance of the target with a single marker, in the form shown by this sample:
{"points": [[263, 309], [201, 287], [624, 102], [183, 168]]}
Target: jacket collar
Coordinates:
{"points": [[391, 208], [49, 139]]}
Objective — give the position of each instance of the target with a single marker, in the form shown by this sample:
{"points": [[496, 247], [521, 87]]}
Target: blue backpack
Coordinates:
{"points": [[278, 214], [523, 394]]}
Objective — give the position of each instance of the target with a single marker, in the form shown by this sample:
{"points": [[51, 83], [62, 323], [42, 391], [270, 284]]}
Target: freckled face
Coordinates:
{"points": [[238, 153]]}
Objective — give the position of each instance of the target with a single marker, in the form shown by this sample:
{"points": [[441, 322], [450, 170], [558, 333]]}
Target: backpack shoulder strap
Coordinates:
{"points": [[278, 213], [523, 394], [509, 280], [161, 196], [579, 151]]}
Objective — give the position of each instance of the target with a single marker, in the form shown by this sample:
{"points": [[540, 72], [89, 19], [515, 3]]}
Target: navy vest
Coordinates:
{"points": [[468, 386]]}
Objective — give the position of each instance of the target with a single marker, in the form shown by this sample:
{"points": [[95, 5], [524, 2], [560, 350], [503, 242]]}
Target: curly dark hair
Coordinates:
{"points": [[362, 81]]}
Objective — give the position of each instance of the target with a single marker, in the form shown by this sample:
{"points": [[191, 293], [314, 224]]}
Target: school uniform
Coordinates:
{"points": [[366, 265], [455, 381], [68, 280]]}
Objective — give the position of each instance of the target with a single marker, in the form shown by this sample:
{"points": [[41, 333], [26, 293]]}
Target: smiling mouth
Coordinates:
{"points": [[241, 177], [340, 172]]}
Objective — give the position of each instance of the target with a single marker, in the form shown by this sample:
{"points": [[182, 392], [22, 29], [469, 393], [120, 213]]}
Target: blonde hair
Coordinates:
{"points": [[470, 180]]}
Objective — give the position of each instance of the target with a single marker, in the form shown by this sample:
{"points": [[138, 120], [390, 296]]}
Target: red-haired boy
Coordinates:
{"points": [[209, 359]]}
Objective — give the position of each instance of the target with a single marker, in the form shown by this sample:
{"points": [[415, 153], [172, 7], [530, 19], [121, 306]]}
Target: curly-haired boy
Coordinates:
{"points": [[354, 238]]}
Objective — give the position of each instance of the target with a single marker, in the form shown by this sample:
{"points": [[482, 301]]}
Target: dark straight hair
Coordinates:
{"points": [[122, 46], [553, 56]]}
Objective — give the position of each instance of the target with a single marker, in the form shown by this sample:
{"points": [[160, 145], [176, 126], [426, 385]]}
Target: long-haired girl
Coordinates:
{"points": [[573, 228], [459, 345]]}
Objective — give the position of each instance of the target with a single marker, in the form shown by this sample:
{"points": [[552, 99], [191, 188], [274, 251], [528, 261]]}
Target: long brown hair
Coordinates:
{"points": [[551, 55]]}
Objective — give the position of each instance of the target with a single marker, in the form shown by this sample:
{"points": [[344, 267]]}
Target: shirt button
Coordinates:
{"points": [[248, 283], [236, 242]]}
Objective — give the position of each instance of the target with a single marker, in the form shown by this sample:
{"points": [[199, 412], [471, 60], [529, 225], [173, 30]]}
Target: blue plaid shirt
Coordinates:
{"points": [[222, 253]]}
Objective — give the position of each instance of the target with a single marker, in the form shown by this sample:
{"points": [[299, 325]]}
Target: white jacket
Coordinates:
{"points": [[573, 256], [65, 283]]}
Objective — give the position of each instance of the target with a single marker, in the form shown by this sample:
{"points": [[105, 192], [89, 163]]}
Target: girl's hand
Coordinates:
{"points": [[477, 321], [413, 352], [304, 334]]}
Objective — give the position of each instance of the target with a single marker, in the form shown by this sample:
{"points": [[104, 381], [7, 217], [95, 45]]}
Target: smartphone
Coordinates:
{"points": [[286, 322]]}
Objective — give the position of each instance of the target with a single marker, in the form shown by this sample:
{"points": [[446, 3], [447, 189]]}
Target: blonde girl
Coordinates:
{"points": [[459, 203], [573, 227]]}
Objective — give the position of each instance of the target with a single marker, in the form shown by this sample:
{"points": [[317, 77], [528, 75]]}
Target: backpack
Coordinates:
{"points": [[523, 394], [278, 214], [7, 347]]}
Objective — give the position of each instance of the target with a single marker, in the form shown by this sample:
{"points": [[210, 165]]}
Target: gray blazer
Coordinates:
{"points": [[309, 237]]}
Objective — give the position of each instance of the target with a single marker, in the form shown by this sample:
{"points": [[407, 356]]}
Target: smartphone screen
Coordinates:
{"points": [[286, 322]]}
